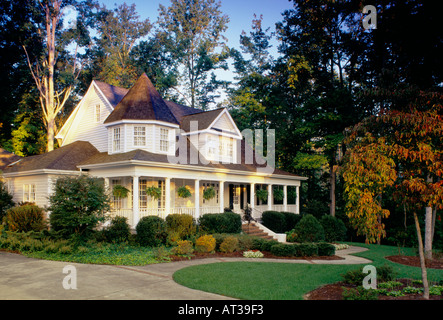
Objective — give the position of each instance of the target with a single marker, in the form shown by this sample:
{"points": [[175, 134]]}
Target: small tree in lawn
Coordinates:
{"points": [[77, 206], [403, 150]]}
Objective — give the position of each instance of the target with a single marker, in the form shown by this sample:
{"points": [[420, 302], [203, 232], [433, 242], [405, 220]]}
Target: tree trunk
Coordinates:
{"points": [[332, 190], [428, 227], [424, 274], [428, 233]]}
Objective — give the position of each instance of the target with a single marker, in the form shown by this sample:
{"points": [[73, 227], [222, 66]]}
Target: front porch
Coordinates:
{"points": [[228, 194]]}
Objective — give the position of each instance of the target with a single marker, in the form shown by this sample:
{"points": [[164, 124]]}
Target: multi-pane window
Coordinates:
{"points": [[211, 146], [164, 139], [116, 139], [97, 113], [139, 136], [226, 146], [28, 192], [147, 202]]}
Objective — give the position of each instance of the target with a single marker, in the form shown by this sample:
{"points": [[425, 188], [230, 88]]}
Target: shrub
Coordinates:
{"points": [[291, 219], [226, 222], [78, 205], [274, 220], [5, 200], [150, 231], [306, 249], [183, 224], [229, 244], [266, 246], [355, 277], [205, 244], [325, 249], [309, 229], [257, 243], [184, 247], [335, 229], [118, 230], [25, 218], [359, 293], [283, 250]]}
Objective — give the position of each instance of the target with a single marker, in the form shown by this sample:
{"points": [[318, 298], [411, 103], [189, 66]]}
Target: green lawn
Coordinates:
{"points": [[285, 281]]}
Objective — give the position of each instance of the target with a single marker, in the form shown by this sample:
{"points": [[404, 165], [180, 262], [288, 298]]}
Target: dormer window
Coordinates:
{"points": [[139, 136], [116, 139], [164, 140]]}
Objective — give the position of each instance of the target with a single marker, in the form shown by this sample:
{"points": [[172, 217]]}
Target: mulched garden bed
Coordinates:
{"points": [[239, 254], [334, 291], [415, 261]]}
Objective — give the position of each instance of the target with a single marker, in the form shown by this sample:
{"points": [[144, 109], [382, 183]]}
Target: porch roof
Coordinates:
{"points": [[103, 158]]}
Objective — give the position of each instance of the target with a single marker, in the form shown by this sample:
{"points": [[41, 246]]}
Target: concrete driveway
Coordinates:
{"points": [[26, 278]]}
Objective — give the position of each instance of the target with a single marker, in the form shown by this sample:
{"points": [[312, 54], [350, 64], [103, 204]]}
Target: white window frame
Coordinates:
{"points": [[164, 140], [139, 136], [97, 113], [29, 193], [116, 139]]}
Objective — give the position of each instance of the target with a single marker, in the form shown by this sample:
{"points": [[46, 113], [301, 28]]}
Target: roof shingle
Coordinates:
{"points": [[142, 102]]}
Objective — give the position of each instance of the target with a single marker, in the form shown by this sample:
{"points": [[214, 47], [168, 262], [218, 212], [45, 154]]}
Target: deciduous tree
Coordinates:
{"points": [[398, 149]]}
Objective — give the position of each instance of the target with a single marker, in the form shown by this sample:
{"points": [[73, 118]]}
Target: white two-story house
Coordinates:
{"points": [[135, 139]]}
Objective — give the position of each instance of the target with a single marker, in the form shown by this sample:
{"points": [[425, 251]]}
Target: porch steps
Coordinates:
{"points": [[253, 230]]}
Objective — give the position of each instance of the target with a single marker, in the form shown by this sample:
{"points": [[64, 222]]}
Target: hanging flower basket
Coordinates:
{"points": [[119, 191], [261, 194], [278, 194], [154, 192], [183, 192], [209, 193]]}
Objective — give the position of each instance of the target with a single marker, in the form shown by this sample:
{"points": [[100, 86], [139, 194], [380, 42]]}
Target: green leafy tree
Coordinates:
{"points": [[194, 28], [119, 29], [77, 206]]}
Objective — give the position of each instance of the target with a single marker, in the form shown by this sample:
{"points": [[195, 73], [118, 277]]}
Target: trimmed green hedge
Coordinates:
{"points": [[280, 221], [226, 222], [301, 249]]}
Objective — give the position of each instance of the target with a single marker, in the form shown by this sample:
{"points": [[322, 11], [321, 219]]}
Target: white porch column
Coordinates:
{"points": [[106, 182], [252, 196], [167, 196], [269, 196], [221, 195], [197, 198], [135, 201], [285, 198], [297, 200]]}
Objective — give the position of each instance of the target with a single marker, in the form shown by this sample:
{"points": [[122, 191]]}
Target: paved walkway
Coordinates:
{"points": [[27, 278]]}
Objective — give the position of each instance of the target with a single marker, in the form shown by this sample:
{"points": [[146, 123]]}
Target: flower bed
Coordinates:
{"points": [[253, 254]]}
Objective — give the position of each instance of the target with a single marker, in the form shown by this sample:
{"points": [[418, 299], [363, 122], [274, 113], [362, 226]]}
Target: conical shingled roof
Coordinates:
{"points": [[142, 102]]}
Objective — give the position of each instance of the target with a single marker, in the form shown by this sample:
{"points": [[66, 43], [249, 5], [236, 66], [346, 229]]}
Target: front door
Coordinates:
{"points": [[234, 197]]}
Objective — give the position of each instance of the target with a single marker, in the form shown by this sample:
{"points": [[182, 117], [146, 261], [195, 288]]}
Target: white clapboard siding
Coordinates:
{"points": [[85, 127], [41, 183], [224, 123]]}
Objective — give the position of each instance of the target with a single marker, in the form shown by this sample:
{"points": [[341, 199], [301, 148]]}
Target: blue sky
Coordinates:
{"points": [[240, 12]]}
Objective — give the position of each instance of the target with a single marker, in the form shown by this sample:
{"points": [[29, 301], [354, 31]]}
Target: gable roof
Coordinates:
{"points": [[64, 158], [203, 120], [112, 93], [142, 102]]}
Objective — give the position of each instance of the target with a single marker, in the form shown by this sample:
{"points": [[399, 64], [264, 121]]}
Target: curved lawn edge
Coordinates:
{"points": [[286, 281]]}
